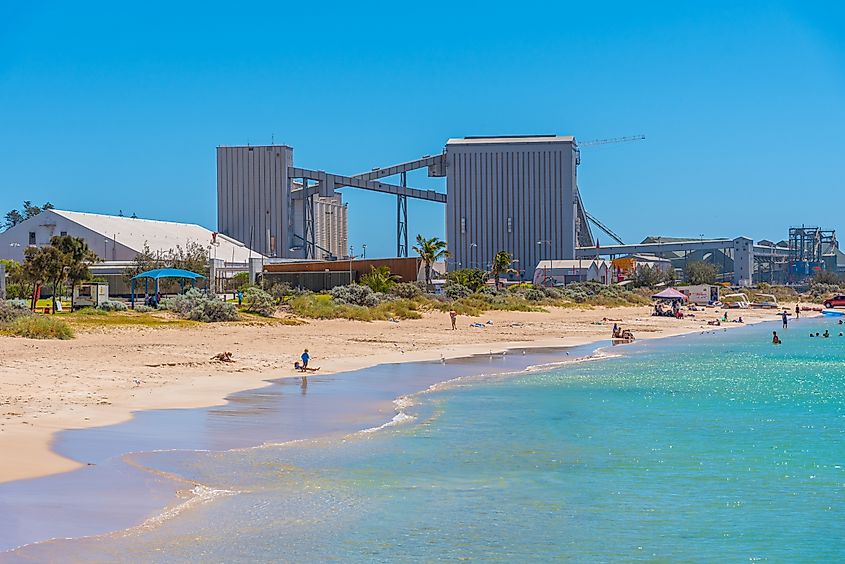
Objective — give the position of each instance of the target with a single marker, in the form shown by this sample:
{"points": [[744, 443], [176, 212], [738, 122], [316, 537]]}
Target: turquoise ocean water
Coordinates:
{"points": [[706, 448]]}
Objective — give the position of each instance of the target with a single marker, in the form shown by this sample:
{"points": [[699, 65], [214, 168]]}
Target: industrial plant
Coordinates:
{"points": [[514, 193]]}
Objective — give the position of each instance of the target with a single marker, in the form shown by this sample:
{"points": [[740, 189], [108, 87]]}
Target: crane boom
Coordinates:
{"points": [[611, 140]]}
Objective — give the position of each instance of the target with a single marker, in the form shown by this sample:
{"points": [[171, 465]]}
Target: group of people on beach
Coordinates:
{"points": [[622, 334], [674, 311]]}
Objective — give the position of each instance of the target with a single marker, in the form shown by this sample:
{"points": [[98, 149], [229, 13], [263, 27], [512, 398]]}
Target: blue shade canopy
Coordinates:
{"points": [[168, 273]]}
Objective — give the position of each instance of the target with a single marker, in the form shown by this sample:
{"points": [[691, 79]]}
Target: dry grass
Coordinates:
{"points": [[38, 327]]}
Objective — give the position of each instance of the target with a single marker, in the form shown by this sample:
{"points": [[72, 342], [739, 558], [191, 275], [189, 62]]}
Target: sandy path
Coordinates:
{"points": [[100, 377]]}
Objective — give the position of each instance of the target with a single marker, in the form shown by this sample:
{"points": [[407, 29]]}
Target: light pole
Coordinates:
{"points": [[351, 256], [540, 246], [364, 252], [472, 247]]}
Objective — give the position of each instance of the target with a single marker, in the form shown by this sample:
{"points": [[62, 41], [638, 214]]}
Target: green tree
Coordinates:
{"points": [[472, 278], [77, 257], [379, 279], [699, 272], [144, 261], [65, 259], [13, 217], [45, 265], [502, 265], [646, 276], [193, 258], [430, 251], [238, 281]]}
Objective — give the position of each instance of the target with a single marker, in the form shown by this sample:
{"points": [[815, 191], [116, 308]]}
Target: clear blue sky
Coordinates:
{"points": [[108, 106]]}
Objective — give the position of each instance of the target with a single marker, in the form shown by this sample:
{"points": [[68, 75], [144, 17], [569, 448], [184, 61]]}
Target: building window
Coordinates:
{"points": [[32, 237], [63, 233]]}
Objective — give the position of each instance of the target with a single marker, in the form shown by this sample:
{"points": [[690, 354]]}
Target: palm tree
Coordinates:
{"points": [[502, 264], [379, 279], [430, 251]]}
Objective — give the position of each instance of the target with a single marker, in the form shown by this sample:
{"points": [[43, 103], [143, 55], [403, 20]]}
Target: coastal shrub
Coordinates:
{"points": [[595, 293], [38, 327], [13, 309], [819, 292], [488, 291], [280, 290], [534, 295], [141, 308], [455, 291], [198, 305], [406, 290], [258, 301], [826, 277], [110, 305], [355, 294], [316, 306]]}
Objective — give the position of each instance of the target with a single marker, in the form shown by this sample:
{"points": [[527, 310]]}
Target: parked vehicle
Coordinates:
{"points": [[836, 301]]}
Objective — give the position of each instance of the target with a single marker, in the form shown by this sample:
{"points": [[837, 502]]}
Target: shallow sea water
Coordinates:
{"points": [[716, 447]]}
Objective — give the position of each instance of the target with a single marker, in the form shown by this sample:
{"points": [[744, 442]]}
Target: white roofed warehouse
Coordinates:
{"points": [[117, 238]]}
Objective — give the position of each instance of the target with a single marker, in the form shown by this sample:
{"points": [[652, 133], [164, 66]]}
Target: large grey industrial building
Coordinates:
{"points": [[260, 203], [517, 194], [513, 193]]}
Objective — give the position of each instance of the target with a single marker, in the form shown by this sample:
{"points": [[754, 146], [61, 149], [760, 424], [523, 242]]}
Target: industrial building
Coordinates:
{"points": [[260, 202], [118, 240], [512, 193], [518, 194]]}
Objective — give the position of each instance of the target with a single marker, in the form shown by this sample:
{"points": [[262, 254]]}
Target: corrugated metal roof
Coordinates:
{"points": [[478, 140], [570, 263], [160, 236]]}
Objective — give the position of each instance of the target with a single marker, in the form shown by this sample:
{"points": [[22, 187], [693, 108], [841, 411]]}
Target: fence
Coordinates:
{"points": [[314, 281]]}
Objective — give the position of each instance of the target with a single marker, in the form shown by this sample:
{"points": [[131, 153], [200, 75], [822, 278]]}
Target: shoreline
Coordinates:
{"points": [[375, 418], [32, 441]]}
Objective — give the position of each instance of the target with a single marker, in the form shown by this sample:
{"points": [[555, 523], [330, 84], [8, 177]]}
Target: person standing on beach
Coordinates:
{"points": [[454, 316], [305, 358], [785, 318], [797, 311]]}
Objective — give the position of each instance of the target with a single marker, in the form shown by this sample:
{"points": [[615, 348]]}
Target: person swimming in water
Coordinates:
{"points": [[826, 334], [775, 339]]}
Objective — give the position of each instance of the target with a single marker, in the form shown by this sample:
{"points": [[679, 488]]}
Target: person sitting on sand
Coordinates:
{"points": [[714, 322], [775, 339], [301, 368], [626, 335], [615, 331]]}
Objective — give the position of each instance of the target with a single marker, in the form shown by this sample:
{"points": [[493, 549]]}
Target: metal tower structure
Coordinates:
{"points": [[807, 246], [402, 219]]}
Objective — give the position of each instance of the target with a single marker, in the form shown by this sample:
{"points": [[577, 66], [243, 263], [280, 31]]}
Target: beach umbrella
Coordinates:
{"points": [[669, 294]]}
